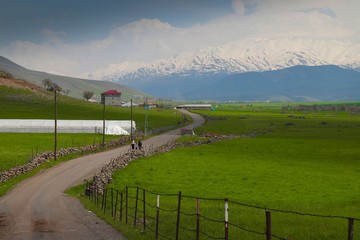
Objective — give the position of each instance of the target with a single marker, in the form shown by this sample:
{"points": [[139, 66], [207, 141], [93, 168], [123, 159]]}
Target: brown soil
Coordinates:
{"points": [[23, 84]]}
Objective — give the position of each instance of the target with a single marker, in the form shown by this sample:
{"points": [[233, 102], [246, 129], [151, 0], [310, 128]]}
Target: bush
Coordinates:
{"points": [[7, 75]]}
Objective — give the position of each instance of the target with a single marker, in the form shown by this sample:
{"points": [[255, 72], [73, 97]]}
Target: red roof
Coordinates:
{"points": [[111, 92]]}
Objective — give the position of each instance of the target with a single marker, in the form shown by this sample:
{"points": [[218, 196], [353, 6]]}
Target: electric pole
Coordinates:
{"points": [[131, 116], [55, 117], [103, 138]]}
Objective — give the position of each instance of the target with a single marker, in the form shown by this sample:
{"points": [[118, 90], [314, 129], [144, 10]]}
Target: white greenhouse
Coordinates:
{"points": [[112, 127]]}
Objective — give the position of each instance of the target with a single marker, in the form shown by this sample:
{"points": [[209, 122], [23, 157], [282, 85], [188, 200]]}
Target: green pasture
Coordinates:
{"points": [[305, 162], [19, 148], [25, 104]]}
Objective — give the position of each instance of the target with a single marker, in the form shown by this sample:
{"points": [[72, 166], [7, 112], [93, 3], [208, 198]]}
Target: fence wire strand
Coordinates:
{"points": [[142, 206]]}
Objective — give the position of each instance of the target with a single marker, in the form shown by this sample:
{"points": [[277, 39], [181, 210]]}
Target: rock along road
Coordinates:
{"points": [[38, 208]]}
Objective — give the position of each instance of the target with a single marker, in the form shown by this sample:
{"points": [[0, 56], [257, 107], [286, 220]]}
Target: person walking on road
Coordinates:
{"points": [[140, 145], [133, 144]]}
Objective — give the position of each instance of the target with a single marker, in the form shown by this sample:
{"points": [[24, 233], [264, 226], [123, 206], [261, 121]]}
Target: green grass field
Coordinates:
{"points": [[25, 104], [19, 148], [19, 103], [308, 162]]}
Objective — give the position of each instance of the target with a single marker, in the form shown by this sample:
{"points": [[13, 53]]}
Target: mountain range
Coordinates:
{"points": [[252, 64]]}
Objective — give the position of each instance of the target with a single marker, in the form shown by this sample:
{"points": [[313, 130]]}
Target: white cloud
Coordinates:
{"points": [[149, 39]]}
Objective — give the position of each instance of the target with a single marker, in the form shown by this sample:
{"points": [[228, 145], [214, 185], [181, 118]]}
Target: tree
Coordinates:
{"points": [[51, 86], [55, 86], [47, 83], [88, 94], [66, 91]]}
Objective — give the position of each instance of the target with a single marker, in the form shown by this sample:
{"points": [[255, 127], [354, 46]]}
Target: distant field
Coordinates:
{"points": [[17, 103], [18, 148], [308, 162], [24, 104]]}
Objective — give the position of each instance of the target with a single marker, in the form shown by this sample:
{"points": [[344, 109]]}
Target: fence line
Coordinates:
{"points": [[157, 216]]}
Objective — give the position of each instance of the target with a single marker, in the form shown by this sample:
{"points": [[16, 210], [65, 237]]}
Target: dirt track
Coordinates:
{"points": [[38, 209]]}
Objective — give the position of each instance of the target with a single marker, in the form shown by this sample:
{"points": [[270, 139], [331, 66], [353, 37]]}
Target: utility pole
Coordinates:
{"points": [[131, 116], [146, 107], [55, 117], [103, 138]]}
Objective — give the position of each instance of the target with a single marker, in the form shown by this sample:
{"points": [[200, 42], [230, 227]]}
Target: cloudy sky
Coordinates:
{"points": [[76, 37]]}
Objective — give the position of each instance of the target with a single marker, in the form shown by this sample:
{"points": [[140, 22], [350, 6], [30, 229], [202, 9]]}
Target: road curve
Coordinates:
{"points": [[38, 209]]}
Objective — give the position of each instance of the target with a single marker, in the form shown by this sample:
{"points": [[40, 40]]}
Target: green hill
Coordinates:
{"points": [[20, 99], [76, 85]]}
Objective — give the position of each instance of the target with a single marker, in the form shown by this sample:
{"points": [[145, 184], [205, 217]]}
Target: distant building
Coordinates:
{"points": [[148, 105], [111, 97], [195, 106], [92, 100], [128, 104]]}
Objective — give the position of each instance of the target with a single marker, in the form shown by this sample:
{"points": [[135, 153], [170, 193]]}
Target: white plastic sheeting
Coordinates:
{"points": [[66, 126]]}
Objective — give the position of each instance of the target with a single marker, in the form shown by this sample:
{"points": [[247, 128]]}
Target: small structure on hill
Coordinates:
{"points": [[195, 106], [128, 104], [148, 105], [111, 97], [113, 127]]}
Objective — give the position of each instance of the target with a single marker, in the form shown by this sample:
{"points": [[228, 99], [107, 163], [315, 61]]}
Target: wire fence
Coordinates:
{"points": [[177, 216]]}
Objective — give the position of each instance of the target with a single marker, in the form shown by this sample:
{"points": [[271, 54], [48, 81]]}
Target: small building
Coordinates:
{"points": [[148, 105], [92, 100], [195, 106], [128, 104], [111, 97]]}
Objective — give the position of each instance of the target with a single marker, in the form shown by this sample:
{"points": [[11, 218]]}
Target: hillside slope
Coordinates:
{"points": [[299, 83], [76, 85]]}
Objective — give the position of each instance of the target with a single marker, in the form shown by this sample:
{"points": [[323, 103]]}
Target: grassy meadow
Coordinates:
{"points": [[22, 103], [307, 162]]}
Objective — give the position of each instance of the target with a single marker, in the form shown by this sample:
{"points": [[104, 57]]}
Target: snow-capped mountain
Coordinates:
{"points": [[238, 57]]}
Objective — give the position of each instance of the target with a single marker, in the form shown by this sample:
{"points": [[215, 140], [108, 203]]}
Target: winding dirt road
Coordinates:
{"points": [[38, 209]]}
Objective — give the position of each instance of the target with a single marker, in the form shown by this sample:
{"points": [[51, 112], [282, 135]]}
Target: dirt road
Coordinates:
{"points": [[38, 209]]}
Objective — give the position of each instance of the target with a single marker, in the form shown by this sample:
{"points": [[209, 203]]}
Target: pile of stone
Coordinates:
{"points": [[48, 156]]}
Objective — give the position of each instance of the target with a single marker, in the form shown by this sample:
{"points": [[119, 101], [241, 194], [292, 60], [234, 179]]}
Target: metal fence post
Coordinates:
{"points": [[97, 195], [226, 219], [351, 229], [197, 218], [136, 204], [144, 218], [157, 216], [126, 204], [112, 202], [121, 206], [116, 203], [102, 199], [178, 217], [105, 199], [268, 225]]}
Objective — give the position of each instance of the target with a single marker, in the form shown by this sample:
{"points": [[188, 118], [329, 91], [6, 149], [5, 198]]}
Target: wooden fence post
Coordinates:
{"points": [[268, 224], [157, 216], [136, 204], [351, 229], [197, 218], [226, 219], [144, 201], [178, 217]]}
